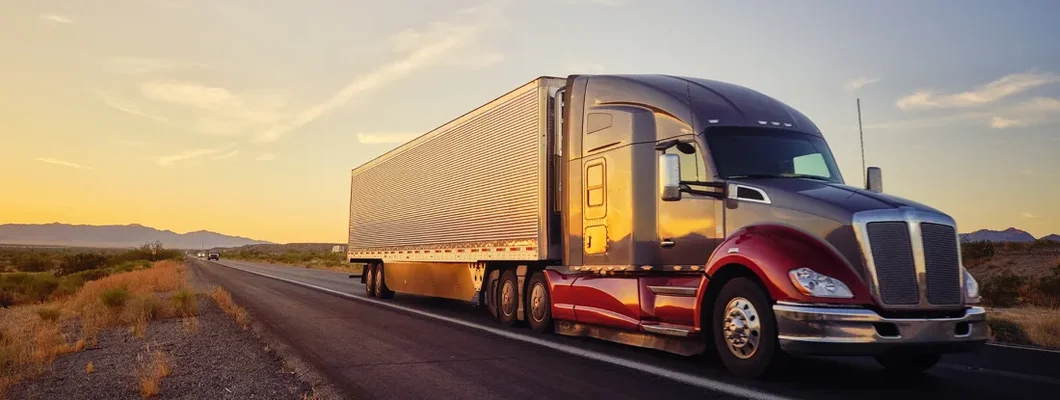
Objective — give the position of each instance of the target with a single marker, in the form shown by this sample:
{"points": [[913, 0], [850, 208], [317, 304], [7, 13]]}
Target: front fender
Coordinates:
{"points": [[771, 251]]}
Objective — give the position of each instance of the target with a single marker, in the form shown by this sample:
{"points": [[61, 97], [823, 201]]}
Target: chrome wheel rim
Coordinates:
{"points": [[741, 328], [378, 279], [537, 302], [508, 298]]}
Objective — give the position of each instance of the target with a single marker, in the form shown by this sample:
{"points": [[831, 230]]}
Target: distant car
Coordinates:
{"points": [[202, 255], [214, 256]]}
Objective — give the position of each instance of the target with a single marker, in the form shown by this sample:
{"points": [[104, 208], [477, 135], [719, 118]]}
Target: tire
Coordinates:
{"points": [[369, 280], [508, 299], [539, 304], [745, 330], [908, 364], [381, 290]]}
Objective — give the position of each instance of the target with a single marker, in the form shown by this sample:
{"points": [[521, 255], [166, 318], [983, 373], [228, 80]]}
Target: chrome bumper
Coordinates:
{"points": [[807, 329]]}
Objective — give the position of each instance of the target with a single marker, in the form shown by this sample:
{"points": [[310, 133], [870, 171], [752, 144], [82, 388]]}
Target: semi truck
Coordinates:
{"points": [[669, 212]]}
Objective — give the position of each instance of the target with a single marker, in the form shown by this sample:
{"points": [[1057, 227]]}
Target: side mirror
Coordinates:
{"points": [[874, 180], [670, 177]]}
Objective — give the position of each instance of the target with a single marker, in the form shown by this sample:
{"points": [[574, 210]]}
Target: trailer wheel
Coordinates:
{"points": [[539, 304], [369, 280], [745, 330], [381, 291], [508, 299]]}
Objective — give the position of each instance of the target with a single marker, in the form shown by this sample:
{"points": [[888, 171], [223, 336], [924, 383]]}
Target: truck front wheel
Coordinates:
{"points": [[908, 363], [745, 330]]}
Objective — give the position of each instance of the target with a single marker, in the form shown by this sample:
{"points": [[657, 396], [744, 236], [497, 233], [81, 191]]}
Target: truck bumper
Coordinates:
{"points": [[814, 330]]}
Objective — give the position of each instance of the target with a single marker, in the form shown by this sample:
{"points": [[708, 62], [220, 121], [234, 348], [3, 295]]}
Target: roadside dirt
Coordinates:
{"points": [[212, 358]]}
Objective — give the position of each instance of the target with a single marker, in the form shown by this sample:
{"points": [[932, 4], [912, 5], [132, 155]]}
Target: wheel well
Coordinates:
{"points": [[717, 281]]}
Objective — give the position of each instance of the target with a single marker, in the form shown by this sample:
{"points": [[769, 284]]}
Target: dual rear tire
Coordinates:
{"points": [[537, 301], [375, 282]]}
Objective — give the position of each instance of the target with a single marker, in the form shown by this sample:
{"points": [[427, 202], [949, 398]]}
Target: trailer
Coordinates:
{"points": [[666, 212]]}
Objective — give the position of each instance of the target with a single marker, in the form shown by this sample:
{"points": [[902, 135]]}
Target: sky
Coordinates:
{"points": [[245, 117]]}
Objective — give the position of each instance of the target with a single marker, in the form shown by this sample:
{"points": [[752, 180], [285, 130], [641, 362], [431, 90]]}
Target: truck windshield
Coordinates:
{"points": [[768, 153]]}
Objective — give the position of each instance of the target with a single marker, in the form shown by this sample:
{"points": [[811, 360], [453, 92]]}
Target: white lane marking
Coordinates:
{"points": [[682, 377], [1012, 346]]}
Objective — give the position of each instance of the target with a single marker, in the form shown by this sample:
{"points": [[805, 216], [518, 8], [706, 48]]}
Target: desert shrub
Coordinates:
{"points": [[1049, 288], [976, 250], [50, 314], [24, 287], [1007, 331], [115, 298], [1002, 290], [75, 263], [90, 275], [185, 302], [33, 262]]}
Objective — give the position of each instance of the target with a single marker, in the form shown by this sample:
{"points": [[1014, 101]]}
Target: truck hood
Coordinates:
{"points": [[830, 200], [823, 209]]}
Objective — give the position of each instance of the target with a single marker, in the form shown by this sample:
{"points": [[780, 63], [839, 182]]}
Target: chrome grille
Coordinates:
{"points": [[912, 258], [943, 270], [892, 252]]}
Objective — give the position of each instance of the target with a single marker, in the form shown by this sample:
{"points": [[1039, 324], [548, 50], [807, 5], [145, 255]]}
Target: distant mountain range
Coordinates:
{"points": [[1007, 235], [133, 235]]}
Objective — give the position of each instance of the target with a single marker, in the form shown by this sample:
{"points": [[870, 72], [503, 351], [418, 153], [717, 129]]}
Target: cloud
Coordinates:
{"points": [[167, 161], [128, 107], [265, 157], [981, 95], [386, 137], [142, 65], [1027, 215], [55, 19], [227, 155], [1002, 122], [218, 111], [442, 43], [63, 163], [860, 82], [1031, 112]]}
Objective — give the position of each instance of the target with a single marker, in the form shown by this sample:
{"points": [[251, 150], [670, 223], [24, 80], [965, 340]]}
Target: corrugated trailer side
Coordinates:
{"points": [[474, 189]]}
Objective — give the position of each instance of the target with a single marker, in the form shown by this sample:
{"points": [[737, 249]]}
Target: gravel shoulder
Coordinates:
{"points": [[209, 357]]}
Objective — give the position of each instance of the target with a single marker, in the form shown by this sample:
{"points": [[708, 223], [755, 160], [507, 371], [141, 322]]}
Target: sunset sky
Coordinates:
{"points": [[245, 117]]}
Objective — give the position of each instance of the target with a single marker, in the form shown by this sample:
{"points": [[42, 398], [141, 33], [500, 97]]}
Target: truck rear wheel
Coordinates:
{"points": [[508, 299], [369, 280], [908, 363], [745, 330], [539, 304], [381, 291]]}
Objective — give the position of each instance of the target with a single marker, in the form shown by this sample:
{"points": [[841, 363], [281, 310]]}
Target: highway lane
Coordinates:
{"points": [[996, 372]]}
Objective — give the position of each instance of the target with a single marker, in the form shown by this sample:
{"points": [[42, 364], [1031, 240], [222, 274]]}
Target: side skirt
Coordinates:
{"points": [[685, 347]]}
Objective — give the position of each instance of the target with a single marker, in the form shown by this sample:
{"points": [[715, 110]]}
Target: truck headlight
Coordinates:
{"points": [[811, 283], [971, 287]]}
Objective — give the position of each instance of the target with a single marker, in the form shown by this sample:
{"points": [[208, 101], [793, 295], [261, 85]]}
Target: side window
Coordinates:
{"points": [[692, 167], [595, 189]]}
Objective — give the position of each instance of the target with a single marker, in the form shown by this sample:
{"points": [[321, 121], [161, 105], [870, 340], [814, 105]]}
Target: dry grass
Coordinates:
{"points": [[32, 336], [1025, 326], [89, 368], [224, 300], [150, 371], [191, 324]]}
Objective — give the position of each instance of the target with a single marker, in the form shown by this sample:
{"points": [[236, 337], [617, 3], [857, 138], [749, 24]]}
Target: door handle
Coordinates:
{"points": [[667, 243]]}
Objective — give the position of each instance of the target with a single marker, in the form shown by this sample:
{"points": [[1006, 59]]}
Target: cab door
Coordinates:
{"points": [[689, 228]]}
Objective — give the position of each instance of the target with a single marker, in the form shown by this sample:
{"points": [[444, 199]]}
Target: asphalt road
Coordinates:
{"points": [[412, 347]]}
